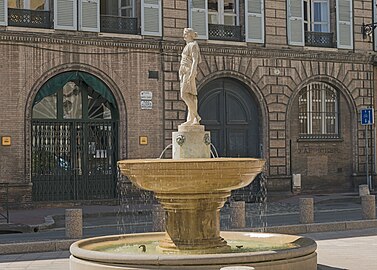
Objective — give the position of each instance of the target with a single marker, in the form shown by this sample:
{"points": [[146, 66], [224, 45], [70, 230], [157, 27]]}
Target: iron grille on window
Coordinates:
{"points": [[29, 18], [225, 32], [319, 39], [118, 24], [318, 112]]}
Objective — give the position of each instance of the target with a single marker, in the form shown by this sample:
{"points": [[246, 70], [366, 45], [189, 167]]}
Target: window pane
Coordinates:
{"points": [[126, 3], [98, 106], [213, 19], [230, 6], [213, 6], [15, 3], [72, 101], [320, 17], [229, 20], [110, 7], [126, 12], [46, 108], [38, 4]]}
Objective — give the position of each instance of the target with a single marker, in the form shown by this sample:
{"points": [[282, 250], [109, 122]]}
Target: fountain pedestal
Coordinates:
{"points": [[191, 142], [193, 223]]}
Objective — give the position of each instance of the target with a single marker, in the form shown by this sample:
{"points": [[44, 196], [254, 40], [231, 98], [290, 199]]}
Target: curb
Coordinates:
{"points": [[63, 245]]}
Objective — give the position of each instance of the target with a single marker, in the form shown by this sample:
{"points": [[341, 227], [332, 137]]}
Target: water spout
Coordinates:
{"points": [[163, 151], [214, 149]]}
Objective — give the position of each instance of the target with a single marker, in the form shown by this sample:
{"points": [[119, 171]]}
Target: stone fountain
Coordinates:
{"points": [[192, 188]]}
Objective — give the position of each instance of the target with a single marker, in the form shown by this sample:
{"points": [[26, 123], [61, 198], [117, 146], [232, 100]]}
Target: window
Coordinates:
{"points": [[318, 112], [320, 23], [223, 19], [74, 95], [29, 4], [123, 8], [316, 16], [223, 12]]}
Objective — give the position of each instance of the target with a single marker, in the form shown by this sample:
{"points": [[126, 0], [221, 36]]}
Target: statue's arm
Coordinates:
{"points": [[195, 58]]}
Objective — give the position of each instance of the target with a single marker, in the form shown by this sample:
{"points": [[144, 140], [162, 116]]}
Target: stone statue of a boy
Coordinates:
{"points": [[187, 73]]}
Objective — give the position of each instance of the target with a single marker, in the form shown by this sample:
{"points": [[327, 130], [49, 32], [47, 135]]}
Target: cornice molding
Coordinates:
{"points": [[80, 39], [138, 43]]}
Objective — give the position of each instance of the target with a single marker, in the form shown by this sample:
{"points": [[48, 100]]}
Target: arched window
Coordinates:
{"points": [[74, 95], [318, 112]]}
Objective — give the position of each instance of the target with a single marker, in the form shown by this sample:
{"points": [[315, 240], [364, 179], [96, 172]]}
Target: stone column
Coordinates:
{"points": [[363, 190], [73, 223], [368, 206], [158, 218], [237, 215], [306, 210]]}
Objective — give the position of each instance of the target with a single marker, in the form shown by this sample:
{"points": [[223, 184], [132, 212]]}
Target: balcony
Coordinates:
{"points": [[319, 39], [120, 25], [225, 32], [29, 18]]}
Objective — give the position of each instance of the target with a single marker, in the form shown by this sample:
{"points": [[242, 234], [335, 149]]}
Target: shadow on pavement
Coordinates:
{"points": [[325, 267]]}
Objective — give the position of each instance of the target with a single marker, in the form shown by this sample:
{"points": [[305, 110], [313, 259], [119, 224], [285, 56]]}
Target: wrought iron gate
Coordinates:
{"points": [[74, 159]]}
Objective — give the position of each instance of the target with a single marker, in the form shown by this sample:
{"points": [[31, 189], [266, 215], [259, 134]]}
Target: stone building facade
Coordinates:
{"points": [[264, 90]]}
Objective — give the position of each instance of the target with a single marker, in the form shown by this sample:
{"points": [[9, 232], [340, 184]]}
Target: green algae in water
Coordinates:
{"points": [[236, 247]]}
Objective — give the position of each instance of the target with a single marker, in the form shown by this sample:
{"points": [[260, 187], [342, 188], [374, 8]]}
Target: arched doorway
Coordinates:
{"points": [[231, 114], [74, 139]]}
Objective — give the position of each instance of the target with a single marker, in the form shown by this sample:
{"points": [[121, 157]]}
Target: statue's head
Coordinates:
{"points": [[189, 34]]}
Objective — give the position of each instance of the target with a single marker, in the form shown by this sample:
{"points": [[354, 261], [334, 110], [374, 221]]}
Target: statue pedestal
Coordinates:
{"points": [[191, 141]]}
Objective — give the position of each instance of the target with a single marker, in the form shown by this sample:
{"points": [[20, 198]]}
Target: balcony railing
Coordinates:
{"points": [[121, 25], [225, 32], [319, 39], [29, 18]]}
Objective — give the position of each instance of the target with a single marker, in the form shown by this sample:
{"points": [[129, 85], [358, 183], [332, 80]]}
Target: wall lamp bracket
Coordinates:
{"points": [[368, 29]]}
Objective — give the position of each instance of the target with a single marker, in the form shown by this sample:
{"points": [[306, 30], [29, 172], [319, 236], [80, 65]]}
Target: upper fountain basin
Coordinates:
{"points": [[198, 175]]}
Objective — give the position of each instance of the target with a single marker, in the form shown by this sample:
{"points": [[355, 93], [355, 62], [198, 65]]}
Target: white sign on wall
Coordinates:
{"points": [[146, 95], [146, 104]]}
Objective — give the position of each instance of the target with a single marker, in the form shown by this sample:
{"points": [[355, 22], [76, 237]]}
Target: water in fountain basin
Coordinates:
{"points": [[237, 246]]}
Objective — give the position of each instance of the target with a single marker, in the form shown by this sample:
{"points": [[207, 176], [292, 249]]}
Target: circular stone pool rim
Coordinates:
{"points": [[302, 257]]}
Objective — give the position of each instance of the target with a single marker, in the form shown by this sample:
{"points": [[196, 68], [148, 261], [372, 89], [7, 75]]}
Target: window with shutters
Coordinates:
{"points": [[318, 112], [232, 20], [320, 23]]}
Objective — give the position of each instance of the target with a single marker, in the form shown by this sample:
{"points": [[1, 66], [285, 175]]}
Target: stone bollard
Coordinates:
{"points": [[237, 215], [306, 210], [73, 223], [158, 218], [363, 190], [368, 206], [237, 268]]}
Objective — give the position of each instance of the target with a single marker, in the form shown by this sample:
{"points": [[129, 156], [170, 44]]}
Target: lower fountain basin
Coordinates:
{"points": [[283, 252]]}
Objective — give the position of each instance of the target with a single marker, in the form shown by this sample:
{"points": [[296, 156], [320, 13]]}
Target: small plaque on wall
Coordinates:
{"points": [[143, 140], [146, 104], [6, 140]]}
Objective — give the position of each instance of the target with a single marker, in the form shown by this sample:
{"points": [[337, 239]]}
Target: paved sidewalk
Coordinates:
{"points": [[351, 250]]}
